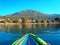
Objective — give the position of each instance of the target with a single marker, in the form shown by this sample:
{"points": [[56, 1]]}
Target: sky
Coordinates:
{"points": [[44, 6]]}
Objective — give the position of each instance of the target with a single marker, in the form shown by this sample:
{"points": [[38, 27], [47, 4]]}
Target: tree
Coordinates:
{"points": [[6, 20], [37, 21], [25, 20], [57, 19], [19, 20], [42, 21], [15, 21]]}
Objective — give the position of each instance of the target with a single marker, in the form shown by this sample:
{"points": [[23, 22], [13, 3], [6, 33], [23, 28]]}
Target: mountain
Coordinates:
{"points": [[56, 15], [32, 14]]}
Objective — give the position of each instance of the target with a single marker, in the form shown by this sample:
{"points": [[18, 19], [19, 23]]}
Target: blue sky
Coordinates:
{"points": [[44, 6]]}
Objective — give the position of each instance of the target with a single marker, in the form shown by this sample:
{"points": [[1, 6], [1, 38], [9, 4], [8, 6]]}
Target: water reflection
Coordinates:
{"points": [[30, 28]]}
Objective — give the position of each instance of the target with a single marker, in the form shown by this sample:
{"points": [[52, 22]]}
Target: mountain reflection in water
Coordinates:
{"points": [[30, 28]]}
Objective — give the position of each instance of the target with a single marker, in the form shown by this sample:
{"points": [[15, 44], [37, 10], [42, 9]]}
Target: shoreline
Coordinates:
{"points": [[28, 23]]}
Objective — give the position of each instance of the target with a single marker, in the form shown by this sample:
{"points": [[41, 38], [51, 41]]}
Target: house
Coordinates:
{"points": [[30, 21]]}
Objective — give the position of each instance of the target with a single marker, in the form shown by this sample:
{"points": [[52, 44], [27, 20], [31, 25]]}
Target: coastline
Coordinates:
{"points": [[27, 23]]}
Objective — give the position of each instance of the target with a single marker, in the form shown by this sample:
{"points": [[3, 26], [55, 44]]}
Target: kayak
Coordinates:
{"points": [[29, 39], [21, 40], [38, 40]]}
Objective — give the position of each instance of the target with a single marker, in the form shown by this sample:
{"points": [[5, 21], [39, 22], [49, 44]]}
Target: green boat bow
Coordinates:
{"points": [[29, 39]]}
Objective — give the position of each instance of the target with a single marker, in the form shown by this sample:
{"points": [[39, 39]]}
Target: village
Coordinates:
{"points": [[28, 20]]}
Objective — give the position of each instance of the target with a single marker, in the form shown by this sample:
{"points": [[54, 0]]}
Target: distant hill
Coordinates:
{"points": [[33, 14], [56, 15]]}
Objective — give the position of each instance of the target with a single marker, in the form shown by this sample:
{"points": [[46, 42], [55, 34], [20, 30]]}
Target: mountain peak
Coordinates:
{"points": [[31, 14]]}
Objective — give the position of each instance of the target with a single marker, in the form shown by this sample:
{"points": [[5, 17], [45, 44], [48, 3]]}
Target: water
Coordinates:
{"points": [[48, 32]]}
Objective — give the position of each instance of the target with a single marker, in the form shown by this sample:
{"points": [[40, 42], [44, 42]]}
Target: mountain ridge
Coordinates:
{"points": [[33, 14]]}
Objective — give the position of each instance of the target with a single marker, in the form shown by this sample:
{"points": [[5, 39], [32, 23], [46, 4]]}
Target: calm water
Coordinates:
{"points": [[49, 33]]}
